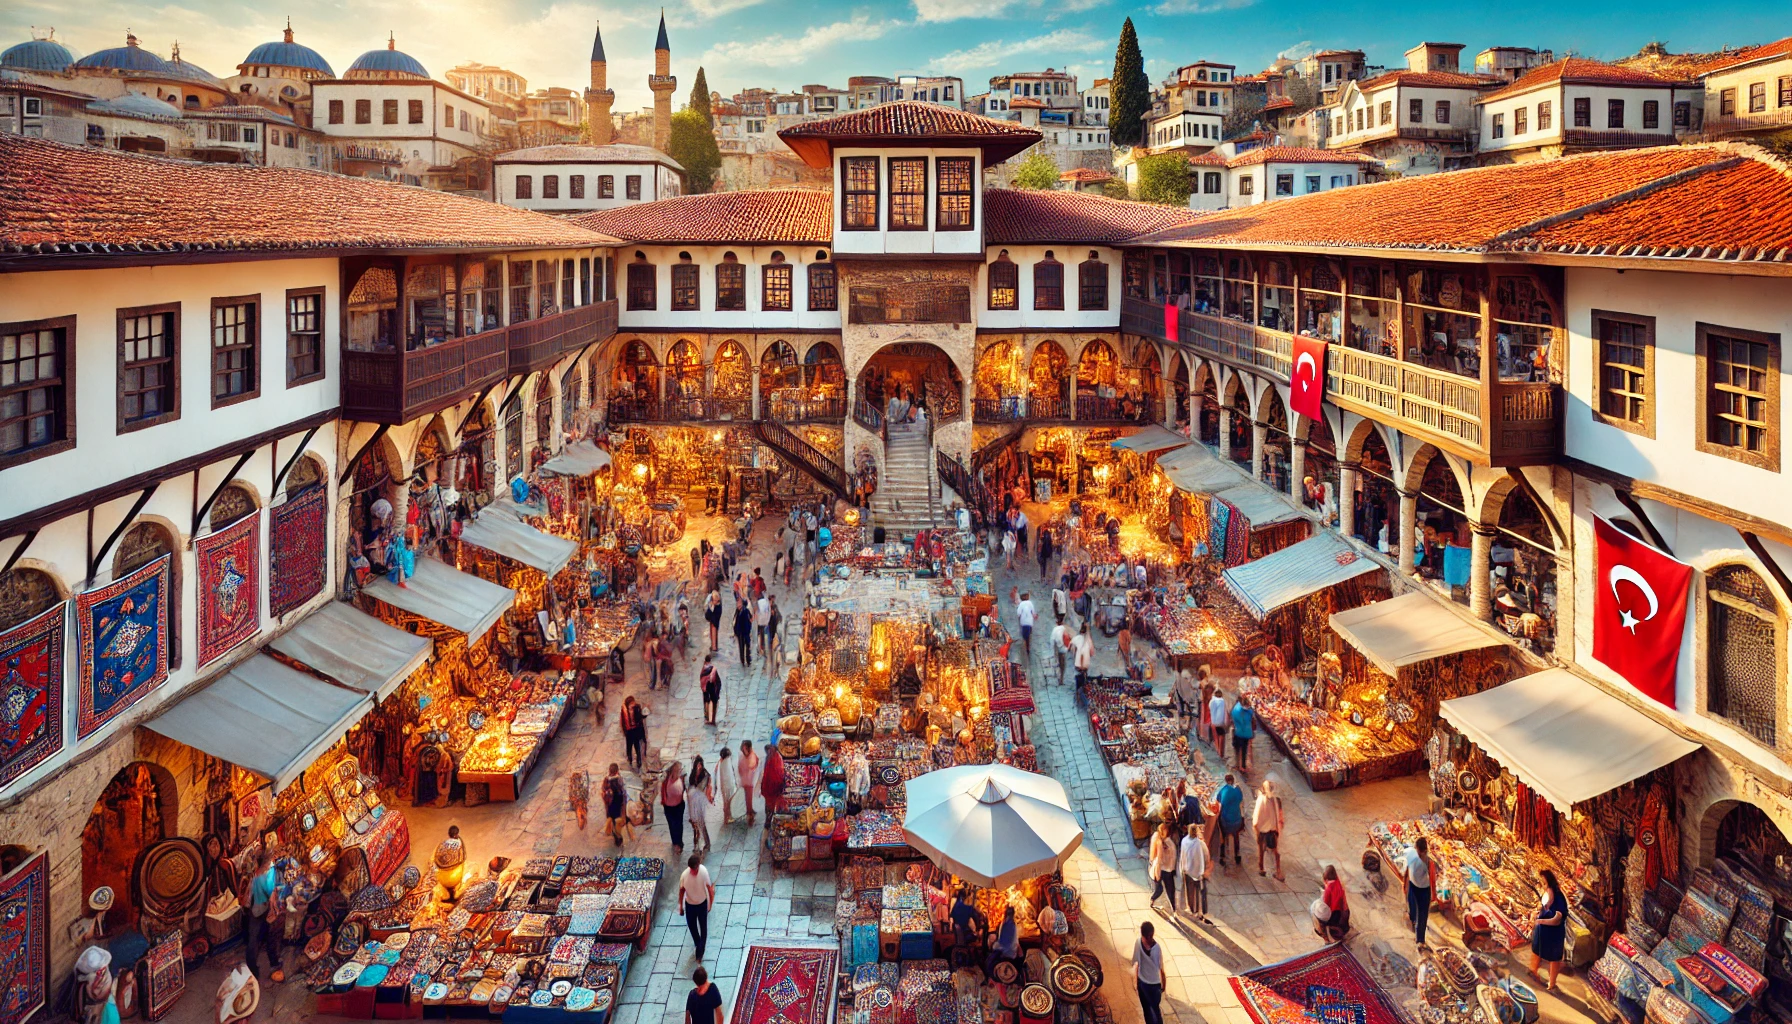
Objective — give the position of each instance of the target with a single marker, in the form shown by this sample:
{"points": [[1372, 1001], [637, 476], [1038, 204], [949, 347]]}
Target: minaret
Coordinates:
{"points": [[599, 130], [663, 85]]}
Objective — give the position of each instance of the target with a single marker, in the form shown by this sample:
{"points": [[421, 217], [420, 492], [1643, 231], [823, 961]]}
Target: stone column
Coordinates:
{"points": [[1167, 389], [756, 413], [1225, 432], [1297, 469], [1347, 472], [1480, 568], [1259, 437], [1409, 528]]}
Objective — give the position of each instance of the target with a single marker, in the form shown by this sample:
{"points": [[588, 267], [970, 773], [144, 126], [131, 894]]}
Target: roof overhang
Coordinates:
{"points": [[818, 151]]}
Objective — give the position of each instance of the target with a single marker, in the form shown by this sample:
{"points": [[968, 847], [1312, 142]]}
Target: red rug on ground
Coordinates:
{"points": [[786, 985], [1327, 985]]}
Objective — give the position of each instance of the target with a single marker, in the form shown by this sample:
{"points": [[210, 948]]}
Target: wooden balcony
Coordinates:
{"points": [[1511, 423], [397, 387]]}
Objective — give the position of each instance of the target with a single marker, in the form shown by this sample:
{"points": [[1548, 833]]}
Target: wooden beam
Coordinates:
{"points": [[349, 470], [291, 462], [94, 558], [1549, 515], [19, 552], [1742, 522], [1767, 559], [199, 513], [1635, 508]]}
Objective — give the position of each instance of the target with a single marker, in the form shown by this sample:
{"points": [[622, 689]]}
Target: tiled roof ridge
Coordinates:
{"points": [[1645, 189]]}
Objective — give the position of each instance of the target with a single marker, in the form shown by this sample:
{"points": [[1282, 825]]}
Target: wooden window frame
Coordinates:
{"points": [[687, 280], [1651, 115], [1092, 276], [66, 371], [770, 288], [828, 291], [1386, 110], [1010, 270], [1614, 112], [364, 111], [1521, 120], [944, 219], [643, 296], [1441, 112], [550, 186], [1646, 428], [575, 186], [1498, 129], [1726, 102], [172, 309], [1785, 90], [631, 187], [1757, 92], [1769, 457], [1545, 115], [253, 364], [731, 297], [414, 112], [920, 197], [524, 187], [335, 109], [606, 186], [294, 380], [1583, 111], [1043, 290], [847, 193]]}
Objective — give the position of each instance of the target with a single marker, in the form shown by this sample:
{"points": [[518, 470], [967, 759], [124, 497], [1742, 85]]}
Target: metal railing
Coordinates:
{"points": [[804, 455], [796, 408], [866, 414]]}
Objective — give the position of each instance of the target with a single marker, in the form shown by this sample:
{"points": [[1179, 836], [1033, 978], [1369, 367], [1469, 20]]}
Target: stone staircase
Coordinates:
{"points": [[907, 497]]}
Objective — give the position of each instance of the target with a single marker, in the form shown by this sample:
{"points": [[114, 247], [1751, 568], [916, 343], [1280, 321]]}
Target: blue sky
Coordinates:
{"points": [[785, 43]]}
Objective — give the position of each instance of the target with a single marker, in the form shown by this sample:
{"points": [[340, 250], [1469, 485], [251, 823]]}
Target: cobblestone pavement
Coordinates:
{"points": [[1256, 919]]}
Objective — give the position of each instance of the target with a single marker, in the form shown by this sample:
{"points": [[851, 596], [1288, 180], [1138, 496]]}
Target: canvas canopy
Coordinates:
{"points": [[354, 648], [1194, 469], [991, 824], [1563, 736], [455, 599], [578, 459], [516, 540], [265, 716], [1322, 560], [1153, 438], [1408, 629], [1260, 506]]}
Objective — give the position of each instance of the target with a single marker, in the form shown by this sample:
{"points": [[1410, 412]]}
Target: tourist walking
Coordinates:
{"points": [[704, 1003], [772, 779], [262, 902], [1549, 929], [710, 679], [1267, 821], [743, 632], [695, 894], [1045, 552], [774, 632], [1027, 614], [1194, 865], [1008, 544], [1231, 801], [578, 795], [1061, 648], [615, 797], [1331, 911], [728, 781], [749, 776], [672, 802], [699, 793], [1188, 699], [1217, 720], [1164, 852], [1084, 647], [1148, 972], [1244, 721], [712, 614], [1204, 676], [762, 620], [1420, 870], [634, 731]]}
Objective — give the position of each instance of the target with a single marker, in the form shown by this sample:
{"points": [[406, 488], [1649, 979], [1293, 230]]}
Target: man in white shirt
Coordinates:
{"points": [[762, 618], [1060, 602], [1216, 716], [1194, 864], [1027, 615], [696, 893], [1084, 647], [1061, 648]]}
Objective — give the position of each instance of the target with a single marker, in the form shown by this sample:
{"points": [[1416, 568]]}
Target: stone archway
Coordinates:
{"points": [[1744, 831], [140, 806]]}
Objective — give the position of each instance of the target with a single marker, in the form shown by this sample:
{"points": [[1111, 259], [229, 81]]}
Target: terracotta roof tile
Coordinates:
{"points": [[1279, 103], [1211, 158], [1085, 174], [740, 218], [907, 122], [1739, 208], [1578, 70], [1296, 155], [74, 199], [1460, 210], [1720, 62], [1428, 80], [1022, 216]]}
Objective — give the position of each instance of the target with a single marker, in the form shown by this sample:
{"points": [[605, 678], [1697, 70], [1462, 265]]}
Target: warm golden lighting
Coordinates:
{"points": [[641, 470], [878, 665]]}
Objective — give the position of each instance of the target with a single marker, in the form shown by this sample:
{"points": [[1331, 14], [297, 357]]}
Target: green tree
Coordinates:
{"points": [[1130, 92], [1037, 172], [1114, 188], [1164, 178], [694, 145], [700, 99]]}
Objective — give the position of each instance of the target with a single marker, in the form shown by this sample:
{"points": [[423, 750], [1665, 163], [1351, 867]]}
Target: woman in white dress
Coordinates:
{"points": [[699, 793], [730, 778]]}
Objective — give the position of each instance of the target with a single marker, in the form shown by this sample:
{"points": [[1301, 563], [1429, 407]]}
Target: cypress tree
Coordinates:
{"points": [[700, 98], [1129, 92]]}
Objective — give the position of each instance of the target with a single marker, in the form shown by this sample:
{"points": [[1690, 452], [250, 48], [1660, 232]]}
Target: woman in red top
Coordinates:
{"points": [[1337, 923], [771, 782]]}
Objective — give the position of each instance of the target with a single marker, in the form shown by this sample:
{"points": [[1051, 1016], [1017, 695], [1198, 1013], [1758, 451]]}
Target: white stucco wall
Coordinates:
{"points": [[653, 185], [754, 317], [882, 240], [1068, 318]]}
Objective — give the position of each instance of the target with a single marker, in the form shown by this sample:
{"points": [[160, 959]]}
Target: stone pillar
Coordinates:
{"points": [[756, 413], [1225, 432], [1480, 569], [1409, 528], [1167, 388], [1259, 437], [1347, 472], [1297, 469]]}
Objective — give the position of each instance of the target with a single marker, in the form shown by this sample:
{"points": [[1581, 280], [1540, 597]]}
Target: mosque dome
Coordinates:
{"points": [[186, 72], [38, 55], [127, 59], [386, 63], [288, 54]]}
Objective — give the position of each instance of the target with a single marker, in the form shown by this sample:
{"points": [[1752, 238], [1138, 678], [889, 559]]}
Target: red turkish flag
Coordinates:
{"points": [[1639, 610], [1172, 321], [1308, 377]]}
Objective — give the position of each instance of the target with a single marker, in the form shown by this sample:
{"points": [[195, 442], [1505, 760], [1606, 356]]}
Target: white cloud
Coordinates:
{"points": [[717, 8], [954, 10], [995, 52], [1200, 6], [778, 51]]}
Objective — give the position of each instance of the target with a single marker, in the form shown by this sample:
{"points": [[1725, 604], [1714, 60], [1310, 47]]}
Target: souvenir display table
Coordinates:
{"points": [[547, 941], [1356, 740], [1145, 750]]}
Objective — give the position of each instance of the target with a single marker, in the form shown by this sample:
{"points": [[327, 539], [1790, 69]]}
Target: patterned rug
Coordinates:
{"points": [[25, 940], [297, 541], [31, 664], [786, 985], [123, 632], [229, 587], [1326, 986]]}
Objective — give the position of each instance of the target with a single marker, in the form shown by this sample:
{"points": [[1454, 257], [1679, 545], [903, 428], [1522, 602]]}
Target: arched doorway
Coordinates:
{"points": [[1242, 434], [137, 809], [1209, 427], [684, 382], [824, 377], [572, 398], [477, 466], [1100, 391], [780, 383], [1151, 386], [1378, 501], [731, 383], [1001, 382], [634, 383], [544, 420], [921, 373], [1744, 835], [1179, 387], [1322, 469], [1278, 446], [1443, 523], [1524, 573], [1050, 395]]}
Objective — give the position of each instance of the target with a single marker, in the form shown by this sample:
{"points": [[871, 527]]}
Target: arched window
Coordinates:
{"points": [[643, 289], [143, 544], [1048, 283], [1092, 283], [513, 439], [544, 414], [776, 292], [1004, 283], [24, 595], [731, 283], [572, 392], [1743, 644], [306, 473], [684, 285], [233, 503]]}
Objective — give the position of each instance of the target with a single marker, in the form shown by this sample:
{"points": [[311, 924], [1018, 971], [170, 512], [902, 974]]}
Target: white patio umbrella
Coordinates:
{"points": [[991, 824]]}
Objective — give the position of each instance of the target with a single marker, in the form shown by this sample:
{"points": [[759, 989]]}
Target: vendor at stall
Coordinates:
{"points": [[451, 867]]}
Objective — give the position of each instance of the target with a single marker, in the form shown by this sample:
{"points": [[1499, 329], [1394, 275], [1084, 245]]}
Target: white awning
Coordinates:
{"points": [[354, 648], [446, 595], [515, 539], [1322, 560], [1259, 505], [265, 716], [1563, 736], [1408, 629], [1196, 470], [1153, 438], [578, 459]]}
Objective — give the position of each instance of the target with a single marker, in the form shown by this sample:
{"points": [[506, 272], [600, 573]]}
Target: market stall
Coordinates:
{"points": [[1146, 750], [355, 649], [1294, 591], [1328, 984], [451, 600]]}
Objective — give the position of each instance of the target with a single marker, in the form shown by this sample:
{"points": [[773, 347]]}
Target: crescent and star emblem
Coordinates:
{"points": [[1625, 574], [1306, 359]]}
